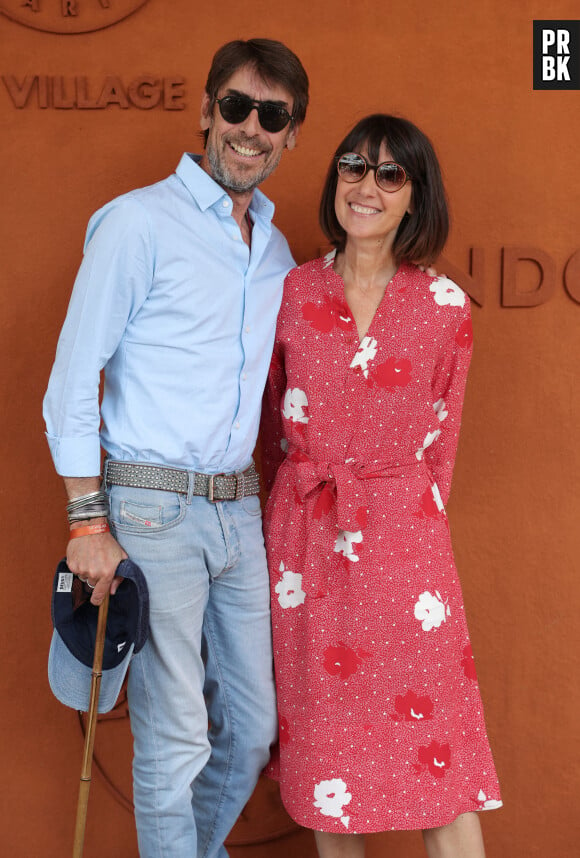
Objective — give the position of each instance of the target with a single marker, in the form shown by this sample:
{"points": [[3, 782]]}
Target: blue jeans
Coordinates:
{"points": [[201, 691]]}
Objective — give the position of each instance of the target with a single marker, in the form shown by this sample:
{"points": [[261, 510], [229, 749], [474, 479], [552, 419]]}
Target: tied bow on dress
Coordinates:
{"points": [[341, 483], [338, 488]]}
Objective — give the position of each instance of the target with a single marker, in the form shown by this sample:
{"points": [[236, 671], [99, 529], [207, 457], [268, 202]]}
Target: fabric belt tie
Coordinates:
{"points": [[339, 486], [214, 487], [339, 483]]}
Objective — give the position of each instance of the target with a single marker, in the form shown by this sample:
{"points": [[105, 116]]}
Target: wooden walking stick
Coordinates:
{"points": [[85, 782]]}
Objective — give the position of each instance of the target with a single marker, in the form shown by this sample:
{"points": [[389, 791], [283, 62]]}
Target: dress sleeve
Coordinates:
{"points": [[449, 380], [271, 430]]}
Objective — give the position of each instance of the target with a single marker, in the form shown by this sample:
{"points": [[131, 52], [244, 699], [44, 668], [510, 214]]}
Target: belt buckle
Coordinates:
{"points": [[210, 488]]}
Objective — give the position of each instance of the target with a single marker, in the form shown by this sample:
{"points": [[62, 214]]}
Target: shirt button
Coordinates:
{"points": [[247, 329], [237, 424], [225, 204], [236, 237], [244, 376]]}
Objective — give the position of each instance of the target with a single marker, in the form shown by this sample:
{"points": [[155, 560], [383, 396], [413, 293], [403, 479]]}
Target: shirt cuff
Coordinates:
{"points": [[75, 457]]}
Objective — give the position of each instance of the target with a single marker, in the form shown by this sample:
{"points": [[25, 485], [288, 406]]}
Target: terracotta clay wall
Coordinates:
{"points": [[88, 115]]}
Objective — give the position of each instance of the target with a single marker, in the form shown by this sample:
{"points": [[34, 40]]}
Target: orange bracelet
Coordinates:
{"points": [[89, 529]]}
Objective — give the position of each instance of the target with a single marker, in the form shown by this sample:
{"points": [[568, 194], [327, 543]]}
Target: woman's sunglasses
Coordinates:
{"points": [[236, 108], [389, 176]]}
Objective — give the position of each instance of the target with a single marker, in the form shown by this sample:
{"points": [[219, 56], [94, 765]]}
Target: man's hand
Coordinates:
{"points": [[94, 559]]}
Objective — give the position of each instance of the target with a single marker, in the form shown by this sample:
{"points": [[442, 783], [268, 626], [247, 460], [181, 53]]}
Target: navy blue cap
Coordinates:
{"points": [[72, 648]]}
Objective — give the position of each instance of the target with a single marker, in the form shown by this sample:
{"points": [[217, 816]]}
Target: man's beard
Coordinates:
{"points": [[238, 184]]}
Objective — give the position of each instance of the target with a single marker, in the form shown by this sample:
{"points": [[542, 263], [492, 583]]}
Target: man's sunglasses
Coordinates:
{"points": [[236, 108], [389, 176]]}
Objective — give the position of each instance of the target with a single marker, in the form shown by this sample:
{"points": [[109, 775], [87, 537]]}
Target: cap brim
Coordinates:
{"points": [[70, 680]]}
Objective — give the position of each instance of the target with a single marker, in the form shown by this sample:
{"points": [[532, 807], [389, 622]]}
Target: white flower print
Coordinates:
{"points": [[366, 352], [440, 410], [284, 444], [486, 803], [432, 610], [328, 259], [437, 497], [447, 293], [429, 438], [345, 542], [289, 588], [295, 403], [330, 797]]}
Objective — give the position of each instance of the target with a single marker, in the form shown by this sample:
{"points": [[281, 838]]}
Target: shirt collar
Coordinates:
{"points": [[206, 192]]}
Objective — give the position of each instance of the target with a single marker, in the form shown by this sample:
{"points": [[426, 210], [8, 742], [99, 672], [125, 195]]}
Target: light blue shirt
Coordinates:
{"points": [[181, 314]]}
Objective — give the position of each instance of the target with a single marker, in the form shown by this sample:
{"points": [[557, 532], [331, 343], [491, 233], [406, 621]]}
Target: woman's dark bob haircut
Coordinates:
{"points": [[422, 234], [272, 61]]}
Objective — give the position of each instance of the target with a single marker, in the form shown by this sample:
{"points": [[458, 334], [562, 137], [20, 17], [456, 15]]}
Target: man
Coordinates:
{"points": [[176, 299]]}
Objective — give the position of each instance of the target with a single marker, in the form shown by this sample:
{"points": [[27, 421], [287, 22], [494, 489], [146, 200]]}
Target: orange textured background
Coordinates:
{"points": [[463, 72]]}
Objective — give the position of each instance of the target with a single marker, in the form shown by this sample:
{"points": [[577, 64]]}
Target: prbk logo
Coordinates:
{"points": [[556, 54]]}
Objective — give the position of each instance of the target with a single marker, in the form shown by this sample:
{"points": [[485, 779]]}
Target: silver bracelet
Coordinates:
{"points": [[91, 505], [86, 500], [82, 515]]}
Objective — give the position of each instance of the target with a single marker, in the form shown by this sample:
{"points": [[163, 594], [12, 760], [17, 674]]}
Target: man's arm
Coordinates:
{"points": [[112, 283], [94, 557]]}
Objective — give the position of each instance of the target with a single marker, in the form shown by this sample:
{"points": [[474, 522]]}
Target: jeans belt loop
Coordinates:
{"points": [[190, 486]]}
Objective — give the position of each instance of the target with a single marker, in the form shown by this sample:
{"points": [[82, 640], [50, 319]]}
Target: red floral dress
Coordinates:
{"points": [[381, 722]]}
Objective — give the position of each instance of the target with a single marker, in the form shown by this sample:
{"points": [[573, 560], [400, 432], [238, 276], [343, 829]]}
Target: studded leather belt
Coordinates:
{"points": [[214, 487]]}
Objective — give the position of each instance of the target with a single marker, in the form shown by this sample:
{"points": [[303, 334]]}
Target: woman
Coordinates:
{"points": [[381, 724]]}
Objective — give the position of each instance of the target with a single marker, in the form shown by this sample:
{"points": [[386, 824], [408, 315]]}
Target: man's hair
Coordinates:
{"points": [[271, 60], [422, 234]]}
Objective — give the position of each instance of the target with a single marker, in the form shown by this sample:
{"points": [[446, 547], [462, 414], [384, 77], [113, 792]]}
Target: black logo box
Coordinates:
{"points": [[552, 73]]}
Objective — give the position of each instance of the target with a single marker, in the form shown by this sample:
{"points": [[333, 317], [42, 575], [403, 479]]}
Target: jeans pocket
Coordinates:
{"points": [[251, 505], [145, 510]]}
